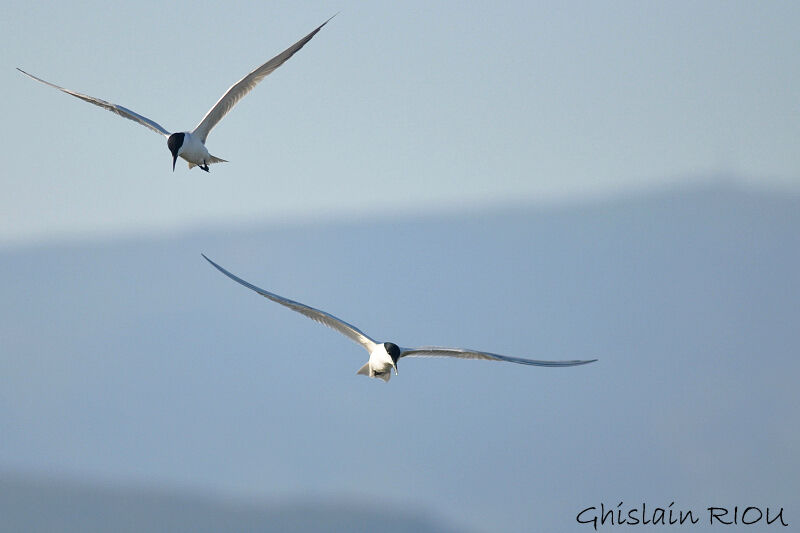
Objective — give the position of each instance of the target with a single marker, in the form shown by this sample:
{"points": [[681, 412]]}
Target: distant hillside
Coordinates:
{"points": [[34, 506]]}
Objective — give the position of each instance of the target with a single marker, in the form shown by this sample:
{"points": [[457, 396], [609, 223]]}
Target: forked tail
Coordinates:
{"points": [[214, 159], [365, 371]]}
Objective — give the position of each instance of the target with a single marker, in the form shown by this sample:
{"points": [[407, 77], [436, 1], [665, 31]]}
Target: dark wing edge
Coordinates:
{"points": [[461, 353], [124, 112], [241, 88], [317, 315]]}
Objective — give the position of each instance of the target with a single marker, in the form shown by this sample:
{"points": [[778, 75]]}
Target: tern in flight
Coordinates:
{"points": [[383, 356], [191, 145]]}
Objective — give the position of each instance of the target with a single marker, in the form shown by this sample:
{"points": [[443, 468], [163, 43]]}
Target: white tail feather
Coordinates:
{"points": [[214, 159], [365, 371]]}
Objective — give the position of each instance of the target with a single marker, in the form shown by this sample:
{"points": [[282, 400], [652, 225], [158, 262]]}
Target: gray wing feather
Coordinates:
{"points": [[322, 317], [438, 351], [239, 89], [114, 108]]}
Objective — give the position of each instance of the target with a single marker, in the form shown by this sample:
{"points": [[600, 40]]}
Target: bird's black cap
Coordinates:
{"points": [[174, 143], [393, 350]]}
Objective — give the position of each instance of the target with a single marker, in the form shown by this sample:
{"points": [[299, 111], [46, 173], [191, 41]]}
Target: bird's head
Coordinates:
{"points": [[394, 352], [175, 142]]}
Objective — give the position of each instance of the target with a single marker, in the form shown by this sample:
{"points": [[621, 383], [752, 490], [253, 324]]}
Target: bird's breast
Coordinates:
{"points": [[193, 150], [379, 360]]}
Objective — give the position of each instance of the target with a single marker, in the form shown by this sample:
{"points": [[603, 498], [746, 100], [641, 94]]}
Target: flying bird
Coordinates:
{"points": [[383, 356], [191, 145]]}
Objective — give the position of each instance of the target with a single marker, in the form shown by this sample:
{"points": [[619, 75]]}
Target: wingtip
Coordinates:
{"points": [[327, 21], [212, 262], [28, 74], [31, 76]]}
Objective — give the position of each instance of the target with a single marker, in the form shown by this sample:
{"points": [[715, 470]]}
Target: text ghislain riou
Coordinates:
{"points": [[669, 516]]}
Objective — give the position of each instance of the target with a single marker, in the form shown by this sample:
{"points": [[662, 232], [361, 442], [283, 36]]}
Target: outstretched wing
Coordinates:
{"points": [[239, 89], [322, 317], [461, 353], [114, 108]]}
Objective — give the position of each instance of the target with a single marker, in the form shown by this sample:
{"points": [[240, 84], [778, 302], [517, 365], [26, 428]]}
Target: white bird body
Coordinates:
{"points": [[383, 356], [379, 365], [190, 146], [194, 151]]}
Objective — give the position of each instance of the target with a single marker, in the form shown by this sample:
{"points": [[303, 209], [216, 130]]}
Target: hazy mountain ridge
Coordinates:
{"points": [[35, 504]]}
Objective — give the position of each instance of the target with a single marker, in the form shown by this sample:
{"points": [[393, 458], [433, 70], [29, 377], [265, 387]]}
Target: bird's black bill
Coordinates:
{"points": [[174, 159]]}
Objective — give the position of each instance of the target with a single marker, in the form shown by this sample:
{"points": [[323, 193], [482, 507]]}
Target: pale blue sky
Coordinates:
{"points": [[392, 106]]}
